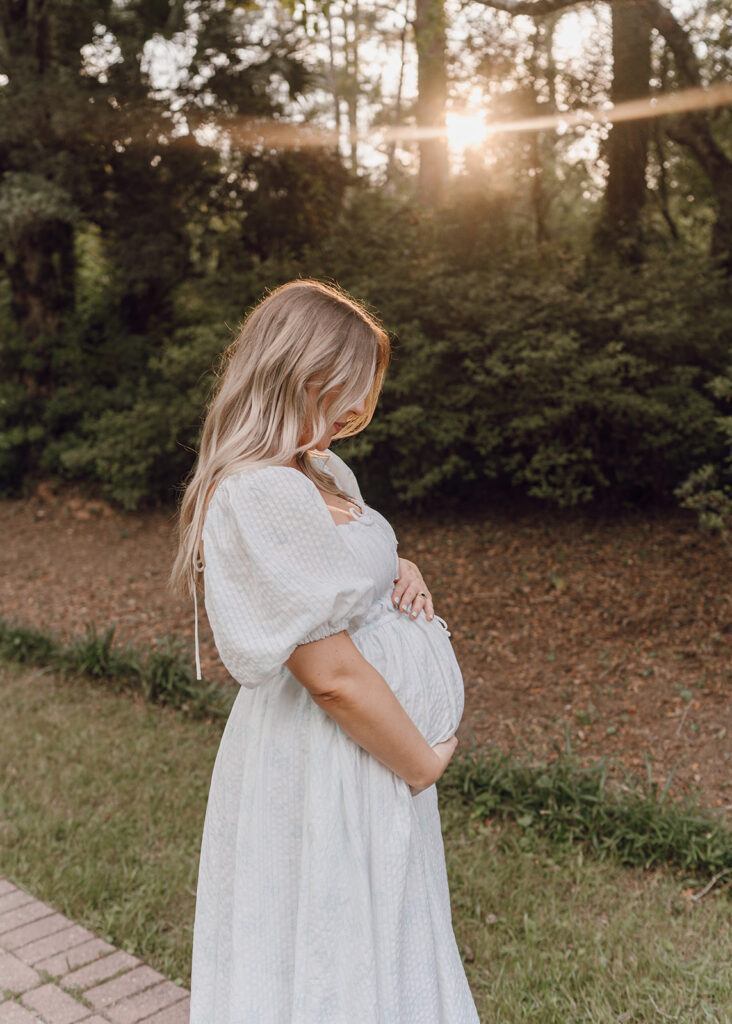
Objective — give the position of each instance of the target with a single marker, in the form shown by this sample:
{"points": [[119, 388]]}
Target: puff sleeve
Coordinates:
{"points": [[277, 571]]}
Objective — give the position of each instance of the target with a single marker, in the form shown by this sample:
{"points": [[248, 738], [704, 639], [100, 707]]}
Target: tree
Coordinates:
{"points": [[82, 140], [429, 30], [37, 205], [691, 129], [627, 145], [88, 148]]}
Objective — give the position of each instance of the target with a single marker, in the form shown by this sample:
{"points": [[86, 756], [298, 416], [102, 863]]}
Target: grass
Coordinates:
{"points": [[161, 675], [630, 821], [101, 809], [557, 937]]}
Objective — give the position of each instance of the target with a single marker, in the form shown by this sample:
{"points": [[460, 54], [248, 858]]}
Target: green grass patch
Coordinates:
{"points": [[556, 937], [629, 819], [161, 674], [102, 802]]}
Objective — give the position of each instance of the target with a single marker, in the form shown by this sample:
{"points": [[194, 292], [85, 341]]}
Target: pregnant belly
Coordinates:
{"points": [[417, 660]]}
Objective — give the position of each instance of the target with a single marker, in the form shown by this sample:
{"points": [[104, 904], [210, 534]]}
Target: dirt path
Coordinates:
{"points": [[617, 632]]}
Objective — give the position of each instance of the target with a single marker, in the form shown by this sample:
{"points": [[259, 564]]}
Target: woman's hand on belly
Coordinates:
{"points": [[411, 589]]}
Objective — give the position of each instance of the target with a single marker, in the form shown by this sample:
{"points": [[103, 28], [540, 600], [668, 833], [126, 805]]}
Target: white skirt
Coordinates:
{"points": [[322, 890]]}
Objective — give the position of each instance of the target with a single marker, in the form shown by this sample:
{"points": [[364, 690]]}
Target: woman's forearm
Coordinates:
{"points": [[366, 709], [356, 696]]}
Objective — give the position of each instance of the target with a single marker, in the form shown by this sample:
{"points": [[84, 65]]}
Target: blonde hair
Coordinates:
{"points": [[302, 333]]}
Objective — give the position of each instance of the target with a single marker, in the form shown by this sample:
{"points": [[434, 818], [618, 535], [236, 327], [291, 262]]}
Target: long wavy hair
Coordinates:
{"points": [[303, 333]]}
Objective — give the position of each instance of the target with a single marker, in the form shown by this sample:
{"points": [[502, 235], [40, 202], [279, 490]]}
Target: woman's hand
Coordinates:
{"points": [[444, 752], [410, 588]]}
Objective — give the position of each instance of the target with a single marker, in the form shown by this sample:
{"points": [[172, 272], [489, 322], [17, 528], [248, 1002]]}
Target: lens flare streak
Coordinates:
{"points": [[246, 133]]}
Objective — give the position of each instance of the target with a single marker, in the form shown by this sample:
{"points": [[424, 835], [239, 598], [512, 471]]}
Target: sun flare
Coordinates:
{"points": [[465, 131]]}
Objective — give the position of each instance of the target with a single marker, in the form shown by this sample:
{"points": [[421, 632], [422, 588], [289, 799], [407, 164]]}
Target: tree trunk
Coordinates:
{"points": [[429, 29], [397, 120], [542, 65], [627, 147], [693, 130], [663, 196], [693, 133], [659, 146], [333, 74], [352, 69]]}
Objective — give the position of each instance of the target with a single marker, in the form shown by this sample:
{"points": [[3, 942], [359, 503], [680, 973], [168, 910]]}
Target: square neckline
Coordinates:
{"points": [[313, 490], [353, 519], [361, 508]]}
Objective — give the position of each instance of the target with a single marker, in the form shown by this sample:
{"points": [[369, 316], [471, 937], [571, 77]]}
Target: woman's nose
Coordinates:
{"points": [[359, 408]]}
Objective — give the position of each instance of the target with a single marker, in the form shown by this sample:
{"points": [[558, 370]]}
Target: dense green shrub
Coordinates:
{"points": [[515, 366], [708, 489], [534, 368], [141, 450], [568, 386]]}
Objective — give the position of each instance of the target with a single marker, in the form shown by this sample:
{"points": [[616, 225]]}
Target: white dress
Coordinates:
{"points": [[322, 892]]}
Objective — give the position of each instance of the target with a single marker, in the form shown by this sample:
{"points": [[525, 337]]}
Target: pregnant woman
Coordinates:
{"points": [[322, 892]]}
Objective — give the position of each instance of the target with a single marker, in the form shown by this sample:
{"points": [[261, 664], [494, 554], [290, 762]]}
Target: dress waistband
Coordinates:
{"points": [[375, 616]]}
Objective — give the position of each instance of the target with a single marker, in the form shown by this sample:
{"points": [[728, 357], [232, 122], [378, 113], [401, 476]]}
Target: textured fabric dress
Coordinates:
{"points": [[322, 892]]}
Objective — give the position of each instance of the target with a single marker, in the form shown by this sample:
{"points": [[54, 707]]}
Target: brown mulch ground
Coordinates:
{"points": [[616, 632]]}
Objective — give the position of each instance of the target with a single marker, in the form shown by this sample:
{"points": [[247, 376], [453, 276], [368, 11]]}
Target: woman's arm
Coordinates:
{"points": [[351, 692]]}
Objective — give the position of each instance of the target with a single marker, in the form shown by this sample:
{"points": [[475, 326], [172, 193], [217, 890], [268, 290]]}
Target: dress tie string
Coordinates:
{"points": [[197, 567], [443, 624]]}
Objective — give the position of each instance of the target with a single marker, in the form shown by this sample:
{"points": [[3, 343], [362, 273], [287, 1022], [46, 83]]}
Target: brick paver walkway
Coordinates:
{"points": [[53, 971]]}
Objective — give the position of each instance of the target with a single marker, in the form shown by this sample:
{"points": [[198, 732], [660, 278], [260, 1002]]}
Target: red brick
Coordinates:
{"points": [[119, 988], [179, 1013], [15, 975], [35, 930], [14, 899], [100, 970], [57, 942], [54, 1005], [29, 911], [69, 959], [139, 1007], [14, 1013]]}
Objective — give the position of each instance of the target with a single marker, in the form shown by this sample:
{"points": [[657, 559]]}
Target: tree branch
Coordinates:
{"points": [[534, 8], [659, 16], [677, 40]]}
